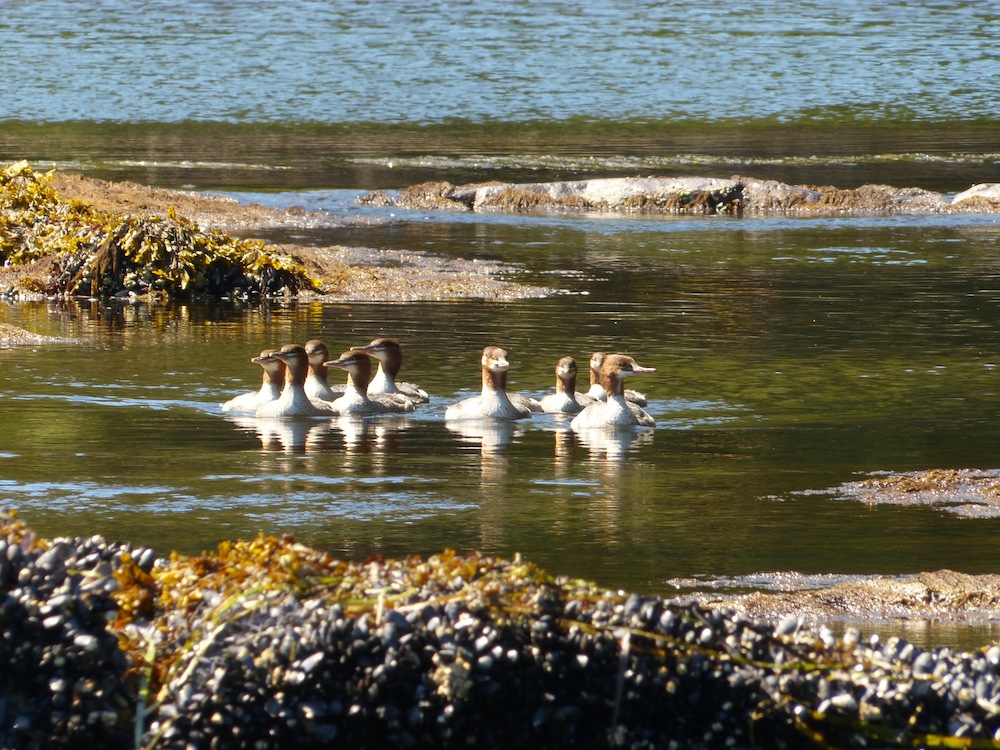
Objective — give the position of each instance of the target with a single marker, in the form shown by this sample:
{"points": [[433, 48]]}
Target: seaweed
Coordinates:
{"points": [[103, 254]]}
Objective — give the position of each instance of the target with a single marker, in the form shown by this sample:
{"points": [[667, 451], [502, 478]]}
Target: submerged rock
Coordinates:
{"points": [[684, 195], [272, 644]]}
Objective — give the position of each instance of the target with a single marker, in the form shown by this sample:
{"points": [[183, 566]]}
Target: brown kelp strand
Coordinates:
{"points": [[103, 254], [270, 643]]}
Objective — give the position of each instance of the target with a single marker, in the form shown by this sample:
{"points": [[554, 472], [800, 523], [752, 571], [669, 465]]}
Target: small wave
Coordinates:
{"points": [[646, 163]]}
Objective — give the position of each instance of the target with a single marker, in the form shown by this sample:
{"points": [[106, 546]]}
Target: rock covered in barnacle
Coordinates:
{"points": [[985, 196], [270, 643], [686, 195], [62, 674]]}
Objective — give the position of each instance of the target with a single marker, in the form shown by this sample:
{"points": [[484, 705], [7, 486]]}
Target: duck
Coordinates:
{"points": [[597, 392], [615, 411], [493, 401], [293, 401], [317, 386], [270, 388], [389, 354], [356, 399], [565, 400]]}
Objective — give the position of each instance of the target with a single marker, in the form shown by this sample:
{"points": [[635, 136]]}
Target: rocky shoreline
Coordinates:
{"points": [[736, 196], [270, 643], [64, 234]]}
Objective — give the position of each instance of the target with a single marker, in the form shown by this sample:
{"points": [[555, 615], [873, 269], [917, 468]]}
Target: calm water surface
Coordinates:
{"points": [[792, 355]]}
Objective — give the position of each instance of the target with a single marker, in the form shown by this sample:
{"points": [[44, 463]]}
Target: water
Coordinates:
{"points": [[429, 62], [358, 95], [792, 355]]}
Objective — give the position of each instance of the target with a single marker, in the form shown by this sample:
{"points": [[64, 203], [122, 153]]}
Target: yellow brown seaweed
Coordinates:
{"points": [[103, 254]]}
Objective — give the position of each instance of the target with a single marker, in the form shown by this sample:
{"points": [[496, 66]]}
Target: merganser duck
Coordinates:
{"points": [[493, 401], [597, 392], [615, 411], [317, 386], [270, 388], [293, 401], [356, 399], [565, 400], [389, 354]]}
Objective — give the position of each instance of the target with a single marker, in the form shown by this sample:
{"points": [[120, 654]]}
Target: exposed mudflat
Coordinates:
{"points": [[971, 493], [14, 336], [214, 211]]}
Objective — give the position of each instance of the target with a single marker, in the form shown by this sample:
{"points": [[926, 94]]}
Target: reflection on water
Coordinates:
{"points": [[286, 435], [613, 444], [492, 435]]}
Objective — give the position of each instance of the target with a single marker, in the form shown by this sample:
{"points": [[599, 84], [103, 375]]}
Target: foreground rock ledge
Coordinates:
{"points": [[688, 195], [271, 643]]}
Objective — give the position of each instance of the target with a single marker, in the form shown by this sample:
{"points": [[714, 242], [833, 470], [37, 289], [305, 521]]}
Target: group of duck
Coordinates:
{"points": [[295, 384]]}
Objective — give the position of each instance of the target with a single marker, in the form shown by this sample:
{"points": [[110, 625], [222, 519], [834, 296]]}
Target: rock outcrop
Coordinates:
{"points": [[687, 195]]}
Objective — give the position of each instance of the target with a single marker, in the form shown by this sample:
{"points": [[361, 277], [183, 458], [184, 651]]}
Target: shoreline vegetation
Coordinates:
{"points": [[270, 643]]}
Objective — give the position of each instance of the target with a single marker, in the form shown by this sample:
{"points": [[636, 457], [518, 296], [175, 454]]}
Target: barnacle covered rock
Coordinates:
{"points": [[104, 254], [735, 196], [63, 679], [272, 644]]}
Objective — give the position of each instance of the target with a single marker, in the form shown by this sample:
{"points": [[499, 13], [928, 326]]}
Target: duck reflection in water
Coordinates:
{"points": [[278, 434], [371, 440], [492, 435], [613, 445]]}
